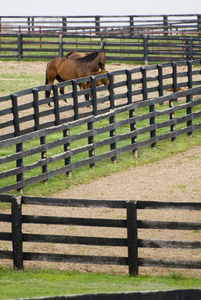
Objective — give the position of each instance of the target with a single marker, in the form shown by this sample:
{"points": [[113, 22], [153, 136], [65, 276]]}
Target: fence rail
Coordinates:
{"points": [[130, 240], [141, 48], [94, 25]]}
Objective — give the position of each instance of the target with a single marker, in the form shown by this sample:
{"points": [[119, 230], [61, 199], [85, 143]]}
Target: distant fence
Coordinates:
{"points": [[126, 126], [142, 48], [94, 25], [21, 233]]}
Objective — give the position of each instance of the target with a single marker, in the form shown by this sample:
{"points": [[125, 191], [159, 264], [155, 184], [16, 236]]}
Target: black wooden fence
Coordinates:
{"points": [[22, 235], [142, 49], [40, 155], [27, 110], [124, 25]]}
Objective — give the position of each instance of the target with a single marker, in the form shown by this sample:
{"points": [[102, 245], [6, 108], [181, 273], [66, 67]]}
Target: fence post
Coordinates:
{"points": [[172, 127], [36, 109], [102, 44], [64, 28], [132, 25], [132, 129], [112, 118], [91, 141], [165, 25], [75, 99], [43, 156], [145, 43], [56, 104], [94, 98], [160, 80], [19, 46], [129, 86], [152, 122], [189, 97], [189, 48], [67, 160], [144, 82], [132, 237], [16, 209], [174, 77], [61, 45], [199, 24], [19, 146], [113, 134], [97, 24]]}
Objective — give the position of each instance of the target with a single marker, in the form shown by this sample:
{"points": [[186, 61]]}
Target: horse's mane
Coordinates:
{"points": [[89, 57], [69, 53]]}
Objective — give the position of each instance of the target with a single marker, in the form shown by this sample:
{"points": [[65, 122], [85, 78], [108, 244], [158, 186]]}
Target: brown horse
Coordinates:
{"points": [[64, 69], [73, 55]]}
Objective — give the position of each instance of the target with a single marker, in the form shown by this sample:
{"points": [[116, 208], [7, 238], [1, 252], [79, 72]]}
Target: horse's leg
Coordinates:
{"points": [[48, 80], [88, 95], [62, 93], [62, 88]]}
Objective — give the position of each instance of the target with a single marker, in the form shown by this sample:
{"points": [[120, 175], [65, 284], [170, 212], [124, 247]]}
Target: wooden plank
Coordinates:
{"points": [[91, 141], [74, 221], [6, 254], [169, 263], [169, 244], [169, 205], [5, 236], [41, 238], [169, 225], [32, 200], [65, 258]]}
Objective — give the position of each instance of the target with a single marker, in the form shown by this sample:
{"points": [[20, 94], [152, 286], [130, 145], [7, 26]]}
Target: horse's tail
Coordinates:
{"points": [[47, 93]]}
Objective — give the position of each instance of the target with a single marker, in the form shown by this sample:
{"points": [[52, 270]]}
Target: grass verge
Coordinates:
{"points": [[105, 168], [39, 282]]}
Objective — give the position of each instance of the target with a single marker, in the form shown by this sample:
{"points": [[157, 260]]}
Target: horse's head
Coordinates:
{"points": [[102, 61]]}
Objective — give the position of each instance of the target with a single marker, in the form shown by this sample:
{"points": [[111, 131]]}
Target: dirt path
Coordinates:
{"points": [[176, 178]]}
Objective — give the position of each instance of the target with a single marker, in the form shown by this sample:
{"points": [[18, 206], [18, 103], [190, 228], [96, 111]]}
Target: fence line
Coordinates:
{"points": [[141, 49], [123, 25], [27, 110], [130, 240], [86, 141]]}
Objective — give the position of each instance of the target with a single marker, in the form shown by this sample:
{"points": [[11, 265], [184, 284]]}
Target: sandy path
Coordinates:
{"points": [[176, 178]]}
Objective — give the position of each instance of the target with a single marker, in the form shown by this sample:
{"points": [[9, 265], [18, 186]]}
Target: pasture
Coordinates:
{"points": [[176, 178]]}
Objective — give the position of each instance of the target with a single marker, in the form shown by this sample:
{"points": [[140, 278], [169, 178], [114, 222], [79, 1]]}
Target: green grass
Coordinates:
{"points": [[38, 282], [13, 82], [104, 168]]}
